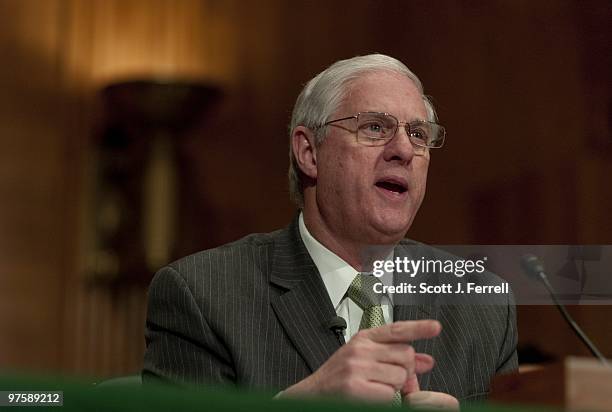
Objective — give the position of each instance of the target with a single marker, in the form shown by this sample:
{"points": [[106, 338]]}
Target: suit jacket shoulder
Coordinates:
{"points": [[251, 313]]}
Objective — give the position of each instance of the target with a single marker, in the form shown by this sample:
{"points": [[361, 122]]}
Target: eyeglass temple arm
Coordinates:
{"points": [[339, 120]]}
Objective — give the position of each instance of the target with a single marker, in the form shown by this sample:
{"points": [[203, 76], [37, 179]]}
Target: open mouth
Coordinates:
{"points": [[392, 186]]}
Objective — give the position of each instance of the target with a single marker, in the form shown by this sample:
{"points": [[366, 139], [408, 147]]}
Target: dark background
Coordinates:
{"points": [[522, 87]]}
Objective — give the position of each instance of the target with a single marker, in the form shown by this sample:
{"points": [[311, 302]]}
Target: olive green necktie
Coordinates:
{"points": [[361, 291]]}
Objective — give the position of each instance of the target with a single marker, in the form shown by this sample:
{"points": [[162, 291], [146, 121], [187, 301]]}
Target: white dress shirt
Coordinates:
{"points": [[337, 276]]}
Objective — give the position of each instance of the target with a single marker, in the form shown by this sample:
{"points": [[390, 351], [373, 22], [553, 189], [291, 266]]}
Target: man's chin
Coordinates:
{"points": [[389, 232]]}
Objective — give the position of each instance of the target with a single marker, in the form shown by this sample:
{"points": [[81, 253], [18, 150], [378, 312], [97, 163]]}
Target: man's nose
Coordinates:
{"points": [[400, 148]]}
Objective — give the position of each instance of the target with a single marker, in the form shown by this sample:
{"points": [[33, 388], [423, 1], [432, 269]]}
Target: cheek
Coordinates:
{"points": [[421, 172], [340, 168], [421, 178], [332, 175], [347, 172]]}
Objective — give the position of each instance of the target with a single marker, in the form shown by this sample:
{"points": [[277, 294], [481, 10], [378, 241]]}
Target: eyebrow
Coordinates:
{"points": [[396, 116]]}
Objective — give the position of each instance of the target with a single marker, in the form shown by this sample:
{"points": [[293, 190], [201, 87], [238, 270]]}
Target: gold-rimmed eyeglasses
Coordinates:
{"points": [[378, 129]]}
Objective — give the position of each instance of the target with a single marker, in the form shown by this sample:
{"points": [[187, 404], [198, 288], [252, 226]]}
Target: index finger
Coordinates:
{"points": [[404, 331]]}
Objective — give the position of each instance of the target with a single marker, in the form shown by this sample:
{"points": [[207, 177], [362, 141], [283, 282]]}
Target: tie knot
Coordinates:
{"points": [[361, 291]]}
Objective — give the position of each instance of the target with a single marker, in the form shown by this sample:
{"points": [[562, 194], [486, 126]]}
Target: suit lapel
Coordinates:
{"points": [[303, 306]]}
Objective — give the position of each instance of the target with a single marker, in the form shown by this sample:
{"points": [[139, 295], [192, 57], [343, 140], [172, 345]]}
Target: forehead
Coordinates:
{"points": [[384, 91]]}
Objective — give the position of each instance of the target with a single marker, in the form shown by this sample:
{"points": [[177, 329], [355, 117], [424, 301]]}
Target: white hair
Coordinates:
{"points": [[323, 94]]}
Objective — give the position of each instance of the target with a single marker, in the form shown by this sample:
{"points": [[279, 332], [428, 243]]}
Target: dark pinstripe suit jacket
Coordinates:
{"points": [[255, 313]]}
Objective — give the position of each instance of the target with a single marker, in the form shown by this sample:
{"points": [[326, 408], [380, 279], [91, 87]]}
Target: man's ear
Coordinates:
{"points": [[305, 150]]}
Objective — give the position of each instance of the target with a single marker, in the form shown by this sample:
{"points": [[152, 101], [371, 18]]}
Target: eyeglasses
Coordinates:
{"points": [[378, 129]]}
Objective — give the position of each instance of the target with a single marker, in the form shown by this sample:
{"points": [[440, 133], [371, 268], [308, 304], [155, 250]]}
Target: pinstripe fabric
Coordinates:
{"points": [[254, 313]]}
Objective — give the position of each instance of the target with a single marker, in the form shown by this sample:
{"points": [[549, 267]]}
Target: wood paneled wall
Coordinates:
{"points": [[522, 86], [32, 170]]}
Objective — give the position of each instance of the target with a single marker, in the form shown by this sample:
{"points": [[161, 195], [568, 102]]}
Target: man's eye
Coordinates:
{"points": [[418, 134], [373, 127]]}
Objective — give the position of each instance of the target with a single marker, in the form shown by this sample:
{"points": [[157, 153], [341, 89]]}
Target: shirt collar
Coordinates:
{"points": [[336, 273]]}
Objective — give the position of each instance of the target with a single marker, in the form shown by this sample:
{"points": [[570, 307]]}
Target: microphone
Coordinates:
{"points": [[534, 268], [337, 324]]}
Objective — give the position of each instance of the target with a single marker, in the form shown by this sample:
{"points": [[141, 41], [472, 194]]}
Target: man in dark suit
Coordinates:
{"points": [[259, 312]]}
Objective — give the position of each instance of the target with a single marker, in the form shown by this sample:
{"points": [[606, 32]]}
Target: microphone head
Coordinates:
{"points": [[337, 323], [532, 266]]}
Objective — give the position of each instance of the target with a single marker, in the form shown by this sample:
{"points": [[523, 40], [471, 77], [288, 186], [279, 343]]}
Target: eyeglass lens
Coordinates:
{"points": [[380, 127]]}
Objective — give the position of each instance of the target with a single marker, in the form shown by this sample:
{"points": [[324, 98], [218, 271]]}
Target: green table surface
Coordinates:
{"points": [[83, 395]]}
